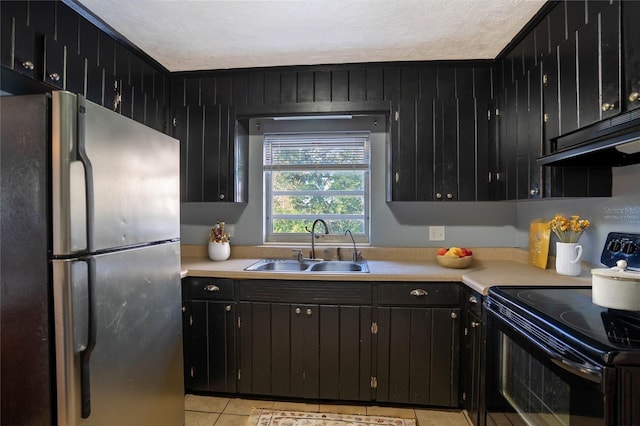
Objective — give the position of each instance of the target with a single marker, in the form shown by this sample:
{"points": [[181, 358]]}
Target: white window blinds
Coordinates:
{"points": [[312, 151]]}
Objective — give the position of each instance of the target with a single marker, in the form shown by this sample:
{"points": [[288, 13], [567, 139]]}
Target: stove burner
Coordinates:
{"points": [[547, 299], [578, 321]]}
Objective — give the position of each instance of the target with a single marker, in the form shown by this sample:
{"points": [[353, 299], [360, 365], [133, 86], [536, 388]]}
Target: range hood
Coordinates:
{"points": [[611, 142]]}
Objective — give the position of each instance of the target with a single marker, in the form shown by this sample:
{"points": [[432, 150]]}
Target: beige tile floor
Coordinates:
{"points": [[208, 411]]}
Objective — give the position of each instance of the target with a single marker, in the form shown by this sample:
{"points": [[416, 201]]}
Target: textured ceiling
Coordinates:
{"points": [[186, 35]]}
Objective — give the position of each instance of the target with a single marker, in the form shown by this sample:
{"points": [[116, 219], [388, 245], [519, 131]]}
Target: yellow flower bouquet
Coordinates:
{"points": [[568, 230]]}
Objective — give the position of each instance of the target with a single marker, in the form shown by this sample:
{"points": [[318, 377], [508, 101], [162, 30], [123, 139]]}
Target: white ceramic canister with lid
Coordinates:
{"points": [[616, 288]]}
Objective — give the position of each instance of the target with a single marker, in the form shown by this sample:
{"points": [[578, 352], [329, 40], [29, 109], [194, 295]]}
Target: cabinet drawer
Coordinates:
{"points": [[431, 294], [207, 288]]}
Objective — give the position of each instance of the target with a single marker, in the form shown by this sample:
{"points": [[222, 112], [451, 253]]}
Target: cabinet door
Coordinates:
{"points": [[522, 150], [54, 59], [631, 58], [194, 325], [345, 352], [551, 100], [446, 149], [509, 145], [599, 64], [217, 156], [209, 346], [498, 187], [305, 359], [221, 321], [417, 360], [469, 148], [403, 154], [609, 31], [471, 367], [25, 53], [194, 140], [567, 72], [535, 132], [589, 105], [424, 150], [265, 353]]}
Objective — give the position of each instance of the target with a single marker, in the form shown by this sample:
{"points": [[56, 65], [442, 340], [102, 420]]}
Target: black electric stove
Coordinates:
{"points": [[562, 316], [565, 317]]}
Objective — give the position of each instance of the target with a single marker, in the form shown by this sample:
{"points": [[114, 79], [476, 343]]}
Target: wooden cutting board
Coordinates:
{"points": [[539, 234]]}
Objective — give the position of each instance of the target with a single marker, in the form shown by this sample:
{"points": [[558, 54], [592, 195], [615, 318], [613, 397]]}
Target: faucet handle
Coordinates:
{"points": [[299, 255]]}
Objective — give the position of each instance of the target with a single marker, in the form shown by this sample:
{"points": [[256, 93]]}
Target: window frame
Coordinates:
{"points": [[361, 238]]}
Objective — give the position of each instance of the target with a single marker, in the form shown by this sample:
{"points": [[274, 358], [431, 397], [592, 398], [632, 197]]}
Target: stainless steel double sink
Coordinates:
{"points": [[309, 266]]}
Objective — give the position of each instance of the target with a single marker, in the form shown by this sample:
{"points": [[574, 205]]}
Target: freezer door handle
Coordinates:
{"points": [[88, 173], [85, 355]]}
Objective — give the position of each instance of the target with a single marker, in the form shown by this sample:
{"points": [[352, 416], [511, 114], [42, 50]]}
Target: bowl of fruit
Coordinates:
{"points": [[454, 257]]}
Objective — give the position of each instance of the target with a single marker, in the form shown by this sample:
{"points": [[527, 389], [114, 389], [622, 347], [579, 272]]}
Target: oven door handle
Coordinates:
{"points": [[591, 374], [586, 371]]}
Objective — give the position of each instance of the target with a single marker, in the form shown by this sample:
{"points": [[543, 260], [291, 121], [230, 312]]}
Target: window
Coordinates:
{"points": [[312, 176]]}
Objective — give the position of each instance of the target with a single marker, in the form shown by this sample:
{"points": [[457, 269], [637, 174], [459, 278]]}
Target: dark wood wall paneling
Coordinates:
{"points": [[440, 144], [69, 52], [548, 85], [549, 72]]}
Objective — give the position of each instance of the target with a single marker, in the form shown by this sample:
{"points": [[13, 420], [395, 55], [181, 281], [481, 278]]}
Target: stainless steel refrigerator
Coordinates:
{"points": [[90, 267]]}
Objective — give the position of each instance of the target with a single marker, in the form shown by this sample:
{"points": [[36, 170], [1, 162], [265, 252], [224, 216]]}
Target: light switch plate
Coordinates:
{"points": [[436, 233]]}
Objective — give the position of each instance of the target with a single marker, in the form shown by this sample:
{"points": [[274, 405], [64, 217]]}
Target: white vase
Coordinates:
{"points": [[568, 257], [219, 251]]}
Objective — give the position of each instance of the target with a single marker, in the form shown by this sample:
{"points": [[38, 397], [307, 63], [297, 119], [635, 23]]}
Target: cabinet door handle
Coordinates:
{"points": [[418, 292], [54, 76], [438, 195], [449, 196], [397, 177], [309, 312], [212, 287], [473, 299], [227, 308], [298, 311], [28, 65], [475, 324], [634, 96]]}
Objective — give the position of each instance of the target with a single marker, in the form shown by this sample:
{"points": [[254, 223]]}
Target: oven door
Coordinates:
{"points": [[530, 383]]}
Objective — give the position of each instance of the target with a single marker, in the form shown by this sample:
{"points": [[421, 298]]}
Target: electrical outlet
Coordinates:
{"points": [[436, 233]]}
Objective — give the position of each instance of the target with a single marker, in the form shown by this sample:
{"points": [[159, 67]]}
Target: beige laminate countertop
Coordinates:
{"points": [[484, 272]]}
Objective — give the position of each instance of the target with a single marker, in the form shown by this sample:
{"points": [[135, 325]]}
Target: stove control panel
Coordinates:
{"points": [[621, 246]]}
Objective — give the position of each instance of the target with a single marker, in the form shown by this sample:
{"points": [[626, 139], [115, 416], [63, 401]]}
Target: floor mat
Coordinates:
{"points": [[267, 417]]}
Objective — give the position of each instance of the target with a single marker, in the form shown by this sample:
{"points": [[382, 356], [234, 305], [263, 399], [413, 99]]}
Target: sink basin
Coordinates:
{"points": [[311, 267], [339, 266], [278, 265]]}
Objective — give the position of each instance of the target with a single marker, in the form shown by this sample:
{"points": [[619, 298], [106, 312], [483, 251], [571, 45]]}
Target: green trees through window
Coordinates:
{"points": [[322, 176]]}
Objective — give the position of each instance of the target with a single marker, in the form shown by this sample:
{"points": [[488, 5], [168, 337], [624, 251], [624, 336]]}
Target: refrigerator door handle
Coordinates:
{"points": [[85, 354], [88, 173]]}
